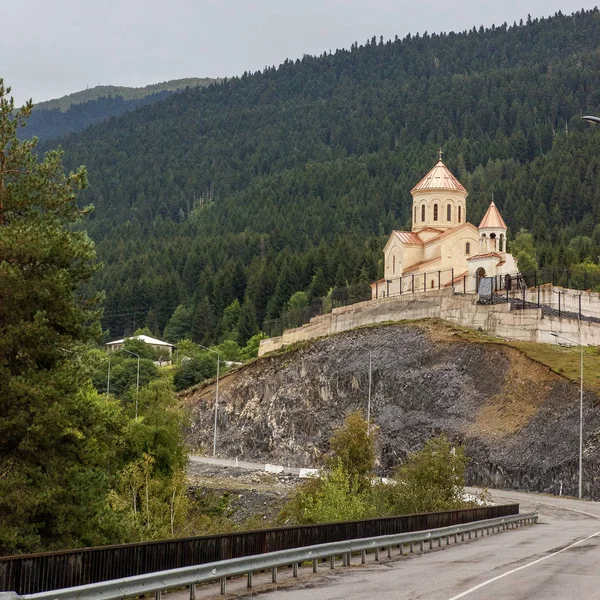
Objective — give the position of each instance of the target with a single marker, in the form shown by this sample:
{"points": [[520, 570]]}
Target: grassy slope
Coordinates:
{"points": [[127, 93], [562, 360]]}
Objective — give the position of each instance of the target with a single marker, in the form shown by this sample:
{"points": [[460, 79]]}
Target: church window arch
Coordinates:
{"points": [[422, 213], [460, 214], [449, 212], [435, 212], [468, 248]]}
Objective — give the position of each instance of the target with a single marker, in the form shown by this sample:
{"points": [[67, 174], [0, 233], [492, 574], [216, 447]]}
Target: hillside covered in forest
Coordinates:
{"points": [[74, 112], [226, 200]]}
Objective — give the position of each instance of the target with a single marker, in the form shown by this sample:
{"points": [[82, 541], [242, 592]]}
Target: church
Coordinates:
{"points": [[443, 249]]}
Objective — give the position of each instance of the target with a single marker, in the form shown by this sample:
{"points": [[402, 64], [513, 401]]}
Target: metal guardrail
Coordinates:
{"points": [[221, 570], [35, 573]]}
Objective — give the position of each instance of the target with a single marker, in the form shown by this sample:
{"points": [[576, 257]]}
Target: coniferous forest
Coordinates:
{"points": [[226, 200]]}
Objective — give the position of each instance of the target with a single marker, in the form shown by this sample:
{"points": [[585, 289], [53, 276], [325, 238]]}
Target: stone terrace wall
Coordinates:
{"points": [[524, 325]]}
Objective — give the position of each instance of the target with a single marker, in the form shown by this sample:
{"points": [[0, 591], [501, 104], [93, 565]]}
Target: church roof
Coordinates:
{"points": [[439, 178], [408, 237], [492, 218], [420, 265], [485, 255]]}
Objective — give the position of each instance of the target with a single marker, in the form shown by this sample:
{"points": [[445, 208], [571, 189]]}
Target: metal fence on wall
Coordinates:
{"points": [[342, 296], [29, 574], [506, 288]]}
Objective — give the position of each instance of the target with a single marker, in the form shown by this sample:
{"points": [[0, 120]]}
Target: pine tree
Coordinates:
{"points": [[55, 434], [247, 326]]}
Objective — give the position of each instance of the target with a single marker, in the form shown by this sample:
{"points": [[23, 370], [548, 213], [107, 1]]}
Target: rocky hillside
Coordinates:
{"points": [[517, 418]]}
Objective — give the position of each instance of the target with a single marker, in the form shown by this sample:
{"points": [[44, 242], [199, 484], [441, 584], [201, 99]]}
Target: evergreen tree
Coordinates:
{"points": [[247, 325], [179, 325], [56, 435]]}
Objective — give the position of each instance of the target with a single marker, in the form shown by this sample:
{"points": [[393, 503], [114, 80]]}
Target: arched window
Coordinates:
{"points": [[449, 212], [432, 284], [460, 214], [493, 240], [422, 213], [435, 212], [467, 248]]}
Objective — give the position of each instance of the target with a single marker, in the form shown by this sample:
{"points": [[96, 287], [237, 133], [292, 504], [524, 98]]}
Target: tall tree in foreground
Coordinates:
{"points": [[56, 434]]}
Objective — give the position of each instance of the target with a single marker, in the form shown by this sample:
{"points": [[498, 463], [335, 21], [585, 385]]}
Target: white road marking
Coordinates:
{"points": [[535, 562]]}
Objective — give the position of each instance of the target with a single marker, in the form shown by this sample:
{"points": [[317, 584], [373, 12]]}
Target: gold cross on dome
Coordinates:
{"points": [[440, 152]]}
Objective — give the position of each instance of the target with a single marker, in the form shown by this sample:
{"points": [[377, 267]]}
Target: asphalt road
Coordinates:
{"points": [[557, 559]]}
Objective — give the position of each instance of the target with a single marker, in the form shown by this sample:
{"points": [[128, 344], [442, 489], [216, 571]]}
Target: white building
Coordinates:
{"points": [[153, 342], [443, 249]]}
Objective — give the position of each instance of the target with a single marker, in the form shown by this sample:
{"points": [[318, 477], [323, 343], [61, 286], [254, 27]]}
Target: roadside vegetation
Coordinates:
{"points": [[432, 479]]}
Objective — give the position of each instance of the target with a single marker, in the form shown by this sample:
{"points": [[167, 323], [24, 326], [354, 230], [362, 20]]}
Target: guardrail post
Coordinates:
{"points": [[421, 546], [431, 543], [332, 562], [315, 565], [411, 548], [274, 574], [462, 536], [376, 554], [439, 542], [223, 586], [389, 552], [401, 549], [158, 595], [295, 570], [250, 579], [193, 591]]}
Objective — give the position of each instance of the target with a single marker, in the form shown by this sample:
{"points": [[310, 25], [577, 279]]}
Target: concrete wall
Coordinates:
{"points": [[524, 325]]}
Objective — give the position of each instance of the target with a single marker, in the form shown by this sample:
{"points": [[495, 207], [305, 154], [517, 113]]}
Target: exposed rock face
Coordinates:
{"points": [[517, 419]]}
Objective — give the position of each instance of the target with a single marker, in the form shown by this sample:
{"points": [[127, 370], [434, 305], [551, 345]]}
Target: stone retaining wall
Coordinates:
{"points": [[498, 319]]}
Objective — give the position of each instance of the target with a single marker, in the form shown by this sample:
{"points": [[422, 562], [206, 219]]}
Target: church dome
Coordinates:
{"points": [[439, 178]]}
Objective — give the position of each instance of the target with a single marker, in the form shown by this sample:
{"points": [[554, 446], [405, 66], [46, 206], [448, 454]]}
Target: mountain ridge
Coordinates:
{"points": [[65, 102]]}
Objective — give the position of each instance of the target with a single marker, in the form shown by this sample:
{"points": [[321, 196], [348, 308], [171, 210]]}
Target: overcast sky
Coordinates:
{"points": [[49, 48]]}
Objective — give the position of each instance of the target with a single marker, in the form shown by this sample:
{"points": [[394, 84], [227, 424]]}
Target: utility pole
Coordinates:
{"points": [[580, 406], [216, 397], [137, 387]]}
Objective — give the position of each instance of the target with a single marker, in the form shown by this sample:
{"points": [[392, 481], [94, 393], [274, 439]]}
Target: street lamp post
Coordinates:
{"points": [[580, 405], [216, 397], [591, 119], [108, 376], [137, 386], [370, 387]]}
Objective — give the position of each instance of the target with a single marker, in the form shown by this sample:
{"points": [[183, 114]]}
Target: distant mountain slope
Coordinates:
{"points": [[77, 111], [290, 179], [127, 93]]}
